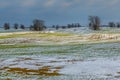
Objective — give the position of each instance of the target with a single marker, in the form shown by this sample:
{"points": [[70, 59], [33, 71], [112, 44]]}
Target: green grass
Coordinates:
{"points": [[58, 51], [83, 51], [4, 37], [35, 34], [15, 46], [54, 34], [13, 36]]}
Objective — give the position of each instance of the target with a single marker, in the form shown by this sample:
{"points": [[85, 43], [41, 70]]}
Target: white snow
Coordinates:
{"points": [[99, 67]]}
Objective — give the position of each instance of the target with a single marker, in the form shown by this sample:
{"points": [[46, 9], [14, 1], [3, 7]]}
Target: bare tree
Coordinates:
{"points": [[118, 24], [22, 26], [94, 22], [31, 27], [78, 25], [111, 24], [16, 26], [38, 25], [53, 26], [57, 27], [6, 26], [63, 27], [69, 25]]}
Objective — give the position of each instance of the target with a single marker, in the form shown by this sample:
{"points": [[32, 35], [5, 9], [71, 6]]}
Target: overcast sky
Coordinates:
{"points": [[58, 11]]}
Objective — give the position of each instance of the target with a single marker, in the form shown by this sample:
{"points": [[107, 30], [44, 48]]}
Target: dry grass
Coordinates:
{"points": [[104, 36], [43, 71], [56, 38]]}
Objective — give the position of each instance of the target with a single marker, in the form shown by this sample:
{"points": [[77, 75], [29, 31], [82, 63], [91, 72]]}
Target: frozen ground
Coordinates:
{"points": [[30, 67], [72, 55]]}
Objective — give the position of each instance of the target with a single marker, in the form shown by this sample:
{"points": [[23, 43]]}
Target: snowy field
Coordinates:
{"points": [[70, 54]]}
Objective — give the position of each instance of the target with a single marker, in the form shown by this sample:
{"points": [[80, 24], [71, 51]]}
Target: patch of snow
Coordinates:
{"points": [[97, 67]]}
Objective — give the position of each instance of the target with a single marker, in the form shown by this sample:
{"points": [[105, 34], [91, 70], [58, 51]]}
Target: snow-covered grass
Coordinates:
{"points": [[70, 54], [70, 59]]}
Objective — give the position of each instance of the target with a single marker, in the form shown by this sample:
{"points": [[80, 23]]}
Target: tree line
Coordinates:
{"points": [[6, 26], [39, 25], [73, 25], [95, 23]]}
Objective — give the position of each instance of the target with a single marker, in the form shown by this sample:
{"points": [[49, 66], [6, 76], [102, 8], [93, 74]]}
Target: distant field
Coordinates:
{"points": [[70, 54]]}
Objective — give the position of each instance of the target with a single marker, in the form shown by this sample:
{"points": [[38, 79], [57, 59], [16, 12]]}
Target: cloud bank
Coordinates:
{"points": [[58, 11]]}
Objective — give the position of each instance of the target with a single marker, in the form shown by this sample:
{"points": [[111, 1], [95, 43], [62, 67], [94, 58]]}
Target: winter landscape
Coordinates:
{"points": [[59, 40], [64, 54]]}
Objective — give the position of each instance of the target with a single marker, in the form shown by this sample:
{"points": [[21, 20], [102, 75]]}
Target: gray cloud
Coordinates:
{"points": [[58, 11]]}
